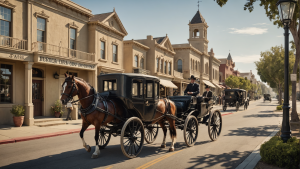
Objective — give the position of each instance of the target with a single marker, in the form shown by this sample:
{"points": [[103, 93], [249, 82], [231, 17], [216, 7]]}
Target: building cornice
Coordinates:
{"points": [[164, 48], [132, 42], [189, 48], [98, 23], [69, 6]]}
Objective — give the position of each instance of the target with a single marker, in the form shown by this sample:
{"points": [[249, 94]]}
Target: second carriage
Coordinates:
{"points": [[235, 98], [139, 94], [267, 97]]}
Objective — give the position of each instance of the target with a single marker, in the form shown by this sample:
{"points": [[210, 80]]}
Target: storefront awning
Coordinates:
{"points": [[218, 86], [208, 83], [168, 83]]}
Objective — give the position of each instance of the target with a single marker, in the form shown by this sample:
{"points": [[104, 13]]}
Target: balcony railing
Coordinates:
{"points": [[178, 74], [141, 71], [61, 51], [13, 42], [188, 73]]}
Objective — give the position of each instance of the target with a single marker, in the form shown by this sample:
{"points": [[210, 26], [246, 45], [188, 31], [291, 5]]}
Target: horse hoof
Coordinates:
{"points": [[163, 146], [171, 149], [94, 156], [89, 149]]}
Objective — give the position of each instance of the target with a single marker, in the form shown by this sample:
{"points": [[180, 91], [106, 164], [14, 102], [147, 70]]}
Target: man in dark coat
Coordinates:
{"points": [[192, 88], [207, 94]]}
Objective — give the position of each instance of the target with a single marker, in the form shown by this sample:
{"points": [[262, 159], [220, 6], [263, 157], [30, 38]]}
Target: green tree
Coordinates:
{"points": [[244, 83], [273, 14], [270, 67], [232, 81]]}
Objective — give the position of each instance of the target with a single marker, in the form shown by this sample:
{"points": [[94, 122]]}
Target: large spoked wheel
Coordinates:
{"points": [[151, 132], [104, 137], [237, 106], [132, 137], [214, 125], [190, 130]]}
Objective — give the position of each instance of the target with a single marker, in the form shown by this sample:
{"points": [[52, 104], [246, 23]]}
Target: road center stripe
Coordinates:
{"points": [[157, 160]]}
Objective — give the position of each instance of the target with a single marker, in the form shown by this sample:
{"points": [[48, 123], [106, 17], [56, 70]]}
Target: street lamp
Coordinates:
{"points": [[286, 11]]}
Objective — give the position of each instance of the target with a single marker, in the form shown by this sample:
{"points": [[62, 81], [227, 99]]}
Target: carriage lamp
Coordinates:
{"points": [[56, 76], [286, 10]]}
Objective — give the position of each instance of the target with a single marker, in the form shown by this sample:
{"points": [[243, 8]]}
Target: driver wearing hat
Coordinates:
{"points": [[207, 93], [192, 88]]}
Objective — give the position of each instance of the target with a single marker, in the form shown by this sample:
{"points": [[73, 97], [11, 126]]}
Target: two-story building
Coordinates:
{"points": [[226, 69]]}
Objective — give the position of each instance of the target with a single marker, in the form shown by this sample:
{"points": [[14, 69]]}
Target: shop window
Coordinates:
{"points": [[5, 83], [5, 21], [109, 85], [37, 72]]}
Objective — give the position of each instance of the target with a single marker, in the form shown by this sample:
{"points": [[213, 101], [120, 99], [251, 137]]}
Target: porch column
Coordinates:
{"points": [[92, 78], [28, 119]]}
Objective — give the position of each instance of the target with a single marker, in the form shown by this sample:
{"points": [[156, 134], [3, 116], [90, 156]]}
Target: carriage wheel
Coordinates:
{"points": [[237, 106], [214, 125], [132, 137], [224, 108], [151, 132], [190, 130], [104, 137]]}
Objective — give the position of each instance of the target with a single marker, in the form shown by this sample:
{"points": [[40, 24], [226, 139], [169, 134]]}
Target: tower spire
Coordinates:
{"points": [[198, 4]]}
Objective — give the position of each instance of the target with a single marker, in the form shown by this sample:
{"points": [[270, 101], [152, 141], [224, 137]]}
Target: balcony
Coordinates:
{"points": [[61, 51], [187, 73], [141, 71], [13, 42], [178, 75]]}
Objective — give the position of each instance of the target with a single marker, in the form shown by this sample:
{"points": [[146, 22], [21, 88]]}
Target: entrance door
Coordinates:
{"points": [[37, 97]]}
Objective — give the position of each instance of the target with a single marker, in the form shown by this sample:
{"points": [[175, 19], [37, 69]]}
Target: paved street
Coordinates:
{"points": [[242, 131]]}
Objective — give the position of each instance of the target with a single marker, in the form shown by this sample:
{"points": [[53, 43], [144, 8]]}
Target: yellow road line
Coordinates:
{"points": [[157, 160], [109, 167]]}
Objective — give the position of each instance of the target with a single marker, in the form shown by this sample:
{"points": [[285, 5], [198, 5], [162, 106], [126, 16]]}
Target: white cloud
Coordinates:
{"points": [[260, 24], [249, 31], [281, 36], [246, 58]]}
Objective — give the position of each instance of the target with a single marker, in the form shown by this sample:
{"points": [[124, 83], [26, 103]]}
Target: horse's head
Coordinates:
{"points": [[69, 89]]}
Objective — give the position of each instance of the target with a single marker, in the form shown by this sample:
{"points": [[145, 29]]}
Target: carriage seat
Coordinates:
{"points": [[182, 102]]}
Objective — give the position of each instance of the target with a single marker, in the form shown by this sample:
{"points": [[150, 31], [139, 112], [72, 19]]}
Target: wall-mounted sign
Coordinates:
{"points": [[62, 62], [15, 56]]}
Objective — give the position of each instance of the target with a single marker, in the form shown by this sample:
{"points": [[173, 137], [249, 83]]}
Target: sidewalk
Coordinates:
{"points": [[11, 134]]}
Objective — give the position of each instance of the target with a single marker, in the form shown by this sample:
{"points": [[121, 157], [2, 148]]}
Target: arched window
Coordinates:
{"points": [[179, 65], [169, 68], [196, 33], [142, 63], [165, 66], [37, 72], [135, 61]]}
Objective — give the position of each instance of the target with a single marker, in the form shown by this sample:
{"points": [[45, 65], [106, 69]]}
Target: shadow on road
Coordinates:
{"points": [[228, 160], [266, 111], [253, 131], [263, 115], [267, 105]]}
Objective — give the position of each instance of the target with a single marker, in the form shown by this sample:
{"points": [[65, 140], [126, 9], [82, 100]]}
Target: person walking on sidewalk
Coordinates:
{"points": [[69, 108]]}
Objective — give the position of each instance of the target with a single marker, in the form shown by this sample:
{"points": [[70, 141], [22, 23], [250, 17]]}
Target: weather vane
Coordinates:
{"points": [[198, 4]]}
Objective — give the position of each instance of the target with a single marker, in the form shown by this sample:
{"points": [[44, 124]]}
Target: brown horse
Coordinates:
{"points": [[73, 86]]}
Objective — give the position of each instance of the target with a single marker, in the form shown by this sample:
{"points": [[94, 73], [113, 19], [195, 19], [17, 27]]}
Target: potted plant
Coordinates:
{"points": [[18, 112], [56, 110]]}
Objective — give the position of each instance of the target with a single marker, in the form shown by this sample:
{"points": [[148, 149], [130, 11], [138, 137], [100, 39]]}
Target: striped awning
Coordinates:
{"points": [[168, 83], [208, 83]]}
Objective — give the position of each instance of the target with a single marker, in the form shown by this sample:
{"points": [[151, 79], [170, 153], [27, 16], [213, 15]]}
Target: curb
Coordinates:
{"points": [[27, 138], [251, 161]]}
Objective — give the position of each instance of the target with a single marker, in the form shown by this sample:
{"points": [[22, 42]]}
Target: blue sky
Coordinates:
{"points": [[232, 28]]}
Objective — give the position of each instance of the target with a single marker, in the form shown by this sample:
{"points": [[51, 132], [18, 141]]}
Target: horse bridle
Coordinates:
{"points": [[70, 96]]}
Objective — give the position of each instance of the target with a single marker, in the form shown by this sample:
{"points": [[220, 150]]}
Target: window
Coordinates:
{"points": [[157, 64], [137, 88], [206, 68], [115, 53], [196, 66], [142, 63], [149, 90], [161, 66], [179, 65], [213, 73], [5, 83], [37, 72], [156, 87], [5, 21], [109, 85], [165, 66], [169, 68], [102, 52], [41, 29], [72, 38], [135, 61]]}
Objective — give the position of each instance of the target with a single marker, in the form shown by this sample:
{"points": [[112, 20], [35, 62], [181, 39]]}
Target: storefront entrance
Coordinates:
{"points": [[37, 97]]}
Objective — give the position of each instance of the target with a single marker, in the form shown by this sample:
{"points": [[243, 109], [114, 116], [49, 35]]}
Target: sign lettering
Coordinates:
{"points": [[65, 62]]}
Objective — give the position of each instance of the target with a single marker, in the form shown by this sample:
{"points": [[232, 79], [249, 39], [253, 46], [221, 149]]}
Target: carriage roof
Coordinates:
{"points": [[230, 90]]}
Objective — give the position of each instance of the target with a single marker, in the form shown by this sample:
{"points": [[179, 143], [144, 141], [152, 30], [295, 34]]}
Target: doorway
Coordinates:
{"points": [[37, 97]]}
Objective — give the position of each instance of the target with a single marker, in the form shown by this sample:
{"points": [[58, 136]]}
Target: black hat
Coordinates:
{"points": [[206, 86], [193, 77]]}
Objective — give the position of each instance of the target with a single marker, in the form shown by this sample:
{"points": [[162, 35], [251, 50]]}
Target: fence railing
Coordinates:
{"points": [[61, 51], [178, 74], [13, 42]]}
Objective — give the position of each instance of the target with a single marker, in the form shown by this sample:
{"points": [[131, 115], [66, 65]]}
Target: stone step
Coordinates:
{"points": [[51, 123], [43, 120]]}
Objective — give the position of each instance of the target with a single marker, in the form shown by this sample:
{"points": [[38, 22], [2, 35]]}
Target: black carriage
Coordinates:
{"points": [[139, 94], [235, 98], [267, 97]]}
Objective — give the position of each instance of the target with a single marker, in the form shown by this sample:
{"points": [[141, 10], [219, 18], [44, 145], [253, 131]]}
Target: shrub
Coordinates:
{"points": [[281, 154], [17, 110], [57, 107], [279, 107]]}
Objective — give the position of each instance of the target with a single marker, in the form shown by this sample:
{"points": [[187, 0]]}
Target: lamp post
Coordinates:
{"points": [[286, 11]]}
